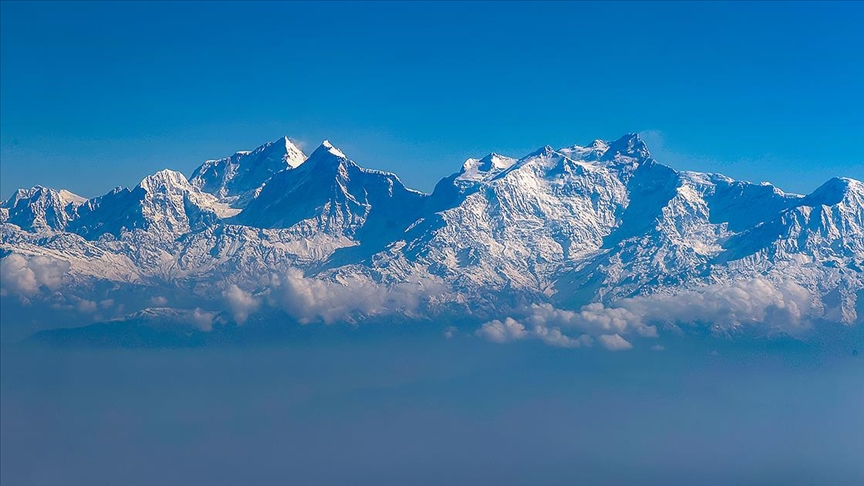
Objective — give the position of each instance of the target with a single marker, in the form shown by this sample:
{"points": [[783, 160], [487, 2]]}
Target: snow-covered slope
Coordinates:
{"points": [[165, 204], [515, 228], [600, 225], [331, 194], [40, 208]]}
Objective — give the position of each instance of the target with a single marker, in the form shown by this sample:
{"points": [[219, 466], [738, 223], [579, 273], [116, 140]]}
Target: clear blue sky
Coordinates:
{"points": [[101, 94]]}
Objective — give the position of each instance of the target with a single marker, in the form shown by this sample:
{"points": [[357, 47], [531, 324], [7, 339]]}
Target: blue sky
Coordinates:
{"points": [[101, 94]]}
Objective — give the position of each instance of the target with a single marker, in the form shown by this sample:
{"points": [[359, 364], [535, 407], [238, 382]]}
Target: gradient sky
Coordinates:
{"points": [[101, 94]]}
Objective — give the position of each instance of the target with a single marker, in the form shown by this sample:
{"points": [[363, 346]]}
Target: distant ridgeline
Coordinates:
{"points": [[581, 246]]}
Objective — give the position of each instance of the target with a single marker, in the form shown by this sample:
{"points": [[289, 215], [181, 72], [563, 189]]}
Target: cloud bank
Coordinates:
{"points": [[309, 299], [758, 303]]}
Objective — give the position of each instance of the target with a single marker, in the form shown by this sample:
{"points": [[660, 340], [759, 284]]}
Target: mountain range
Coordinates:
{"points": [[578, 246]]}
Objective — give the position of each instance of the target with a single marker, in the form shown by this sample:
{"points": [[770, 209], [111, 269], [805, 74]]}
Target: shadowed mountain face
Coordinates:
{"points": [[238, 176], [335, 196], [580, 246]]}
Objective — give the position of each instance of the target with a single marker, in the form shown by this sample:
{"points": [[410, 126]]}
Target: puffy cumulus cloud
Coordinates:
{"points": [[26, 275], [503, 331], [554, 337], [201, 319], [593, 319], [240, 302], [311, 299], [784, 307], [614, 342], [510, 330], [545, 322]]}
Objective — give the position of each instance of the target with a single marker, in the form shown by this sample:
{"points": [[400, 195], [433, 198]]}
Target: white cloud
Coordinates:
{"points": [[554, 337], [503, 331], [757, 303], [512, 330], [23, 275], [202, 319], [786, 307], [312, 299], [593, 319], [242, 303], [614, 342]]}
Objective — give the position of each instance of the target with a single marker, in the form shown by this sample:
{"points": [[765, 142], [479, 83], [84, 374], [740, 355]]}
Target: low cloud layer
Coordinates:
{"points": [[314, 300], [770, 307], [309, 299], [760, 304]]}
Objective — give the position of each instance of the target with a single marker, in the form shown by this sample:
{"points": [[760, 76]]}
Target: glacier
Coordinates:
{"points": [[578, 246]]}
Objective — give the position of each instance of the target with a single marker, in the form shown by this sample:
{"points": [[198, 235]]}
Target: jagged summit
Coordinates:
{"points": [[545, 150], [600, 145], [282, 148], [42, 191], [327, 155], [333, 194], [495, 161], [488, 166], [332, 161], [630, 145], [165, 180], [234, 179], [294, 156], [40, 208], [327, 146]]}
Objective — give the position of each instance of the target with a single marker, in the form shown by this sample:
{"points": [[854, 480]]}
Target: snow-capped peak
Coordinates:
{"points": [[165, 180], [488, 166], [326, 155], [236, 178], [600, 145], [71, 197], [62, 195], [326, 145], [542, 151], [40, 208], [331, 195], [496, 161], [293, 155], [630, 145], [282, 149], [590, 153], [834, 191]]}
